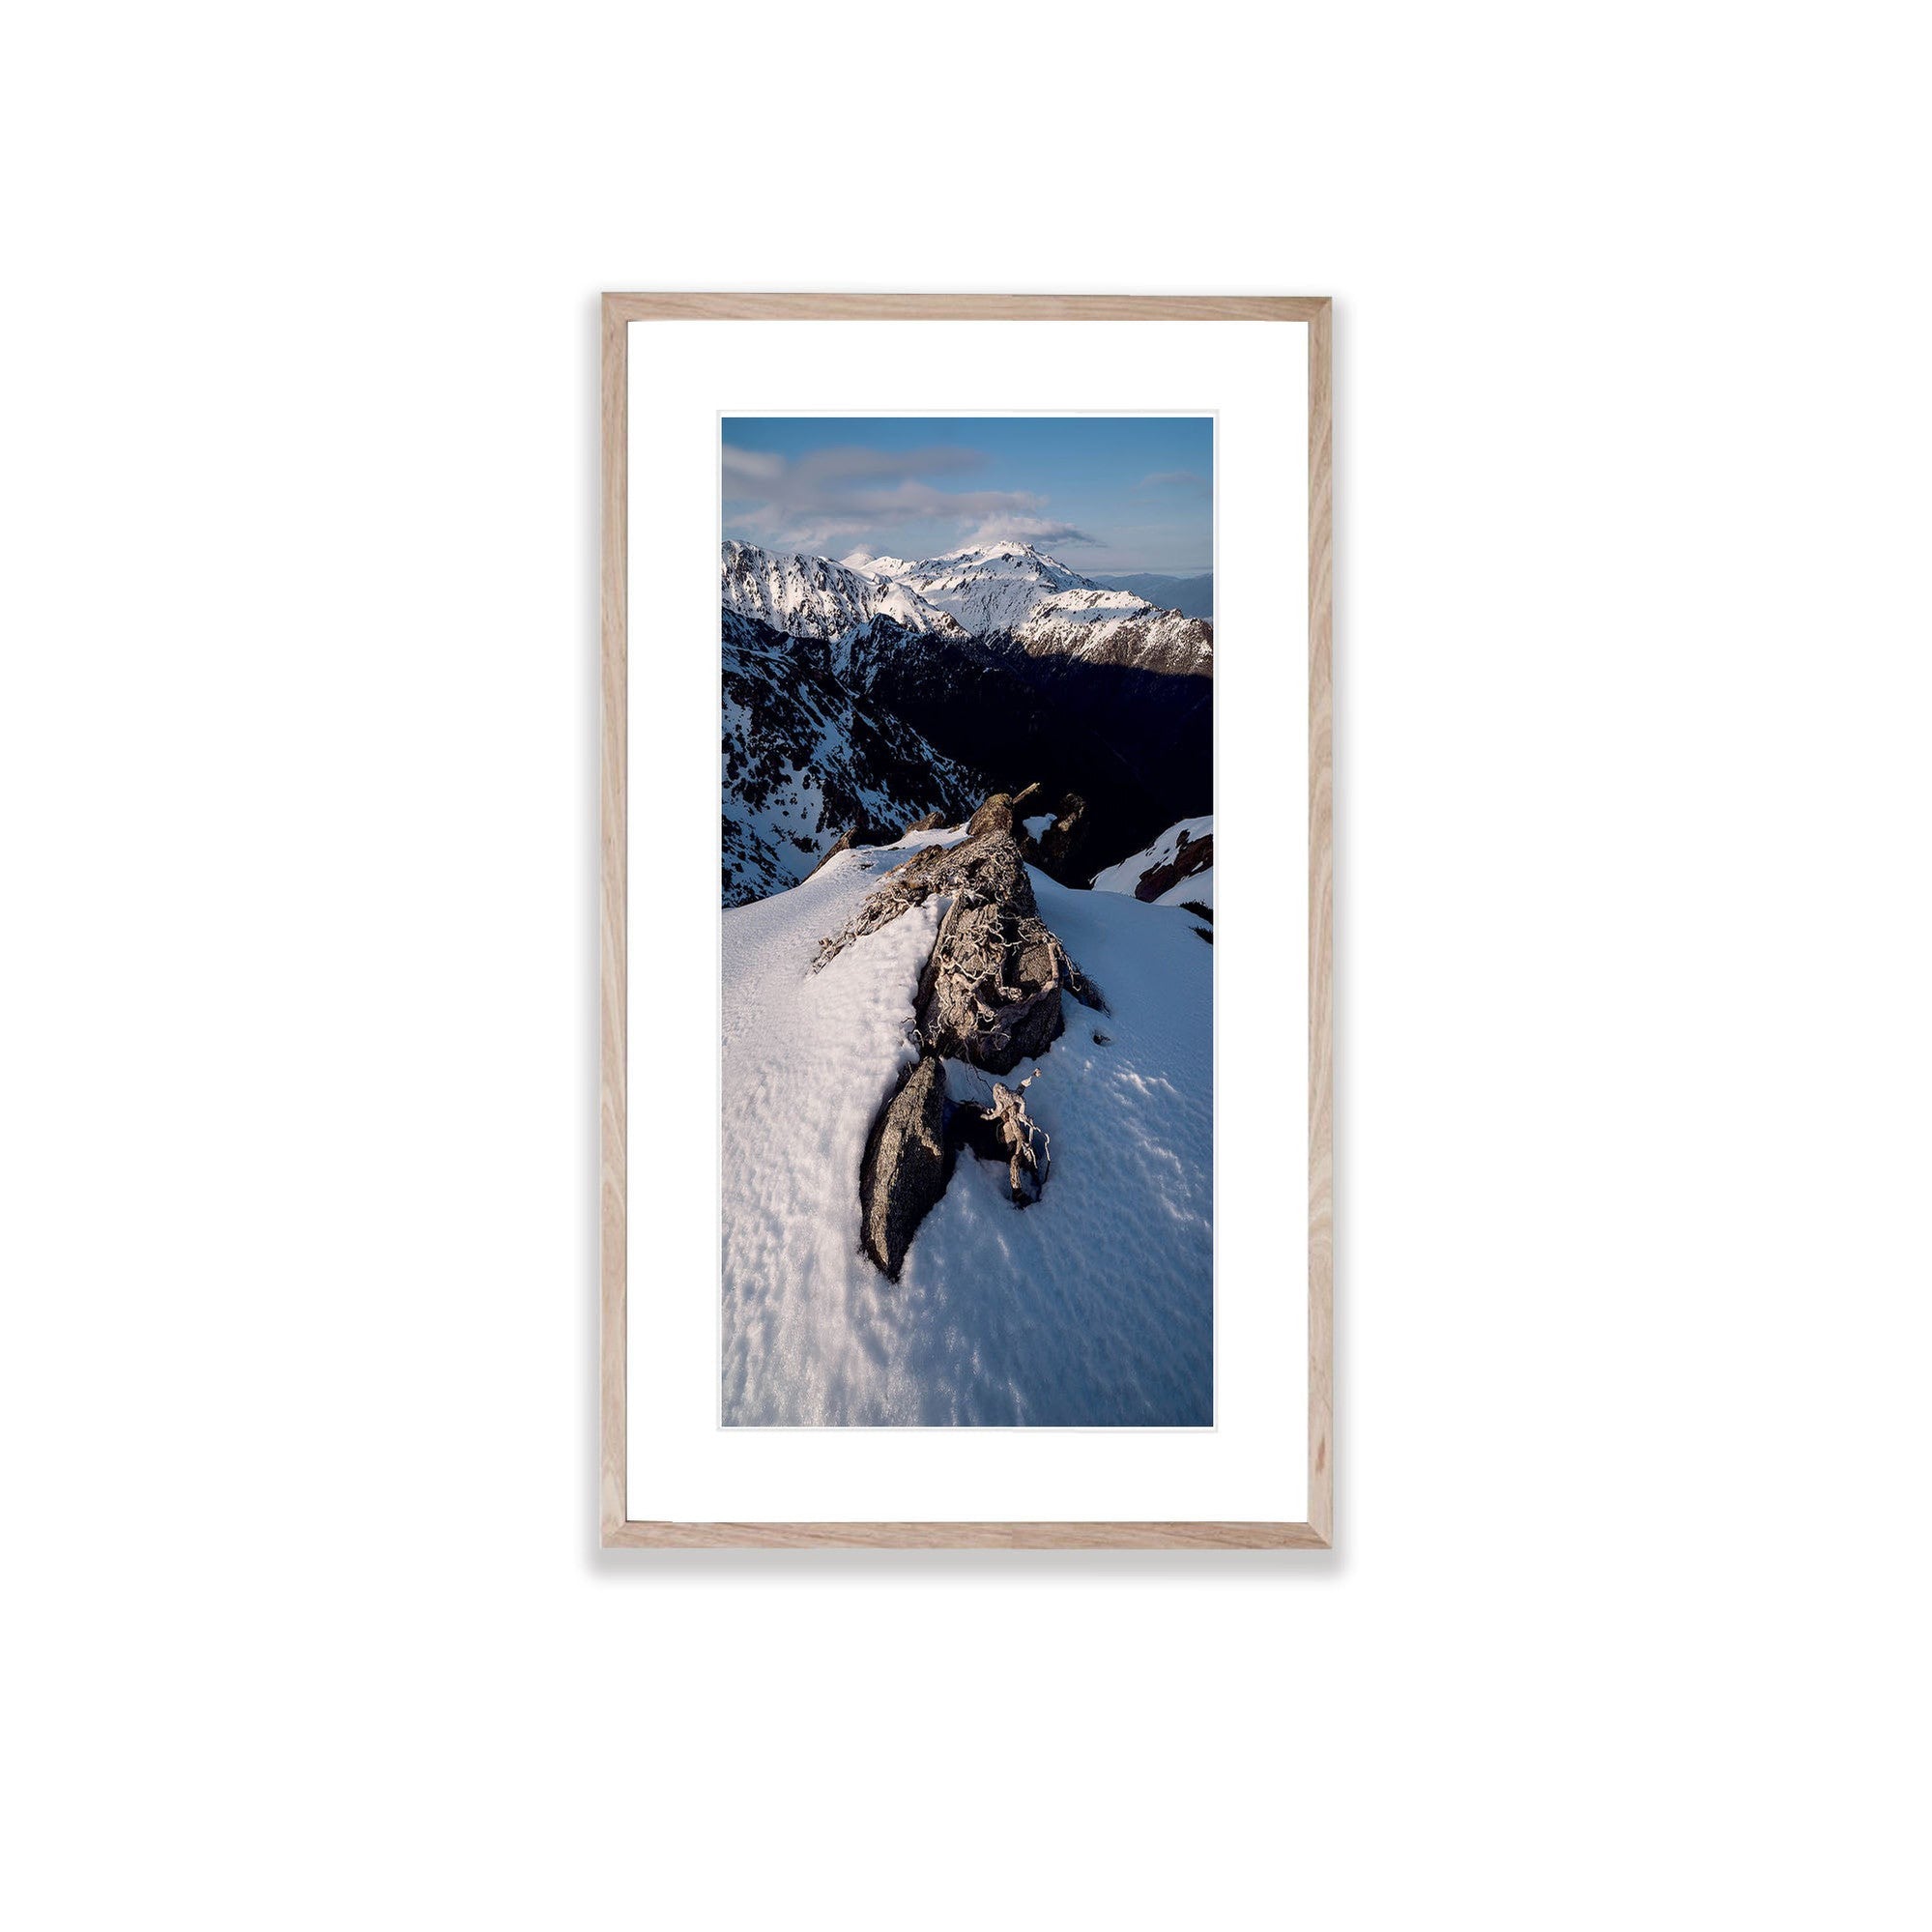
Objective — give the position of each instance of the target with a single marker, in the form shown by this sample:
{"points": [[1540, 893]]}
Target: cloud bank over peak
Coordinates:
{"points": [[1126, 492]]}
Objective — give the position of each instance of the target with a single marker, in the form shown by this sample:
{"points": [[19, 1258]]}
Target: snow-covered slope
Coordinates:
{"points": [[1093, 1306], [805, 758], [1085, 624], [812, 596], [1195, 888]]}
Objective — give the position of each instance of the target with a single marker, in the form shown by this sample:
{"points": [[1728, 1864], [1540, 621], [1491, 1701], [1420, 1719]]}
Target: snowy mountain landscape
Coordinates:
{"points": [[967, 1129], [873, 691]]}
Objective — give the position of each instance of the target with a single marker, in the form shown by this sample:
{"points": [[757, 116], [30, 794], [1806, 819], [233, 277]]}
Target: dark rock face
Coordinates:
{"points": [[907, 1166], [1136, 744], [804, 755], [1194, 857], [1062, 842]]}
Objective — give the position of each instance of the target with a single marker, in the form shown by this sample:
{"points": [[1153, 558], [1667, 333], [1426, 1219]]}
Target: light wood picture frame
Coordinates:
{"points": [[620, 1531]]}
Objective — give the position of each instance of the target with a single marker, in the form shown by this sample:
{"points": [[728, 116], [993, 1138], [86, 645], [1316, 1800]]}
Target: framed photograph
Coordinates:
{"points": [[965, 888]]}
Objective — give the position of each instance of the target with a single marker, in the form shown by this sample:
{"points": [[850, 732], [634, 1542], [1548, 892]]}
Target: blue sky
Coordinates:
{"points": [[1102, 493]]}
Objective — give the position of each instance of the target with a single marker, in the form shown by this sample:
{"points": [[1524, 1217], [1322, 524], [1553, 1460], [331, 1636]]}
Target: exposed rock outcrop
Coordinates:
{"points": [[995, 816], [1193, 855], [991, 991], [988, 867], [991, 994], [1007, 1133], [907, 1166]]}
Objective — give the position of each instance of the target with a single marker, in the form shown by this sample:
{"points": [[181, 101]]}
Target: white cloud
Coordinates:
{"points": [[1029, 530], [830, 497]]}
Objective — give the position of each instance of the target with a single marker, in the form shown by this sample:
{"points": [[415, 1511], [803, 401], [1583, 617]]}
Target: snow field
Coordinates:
{"points": [[1092, 1307]]}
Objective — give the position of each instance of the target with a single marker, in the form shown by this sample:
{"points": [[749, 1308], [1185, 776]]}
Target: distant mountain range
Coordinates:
{"points": [[877, 690], [1193, 597]]}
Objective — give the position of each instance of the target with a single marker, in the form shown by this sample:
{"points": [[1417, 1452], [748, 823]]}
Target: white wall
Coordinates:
{"points": [[296, 764]]}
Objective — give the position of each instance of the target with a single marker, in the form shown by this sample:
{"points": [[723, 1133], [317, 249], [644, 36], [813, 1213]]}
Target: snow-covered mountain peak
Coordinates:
{"points": [[1007, 590], [995, 586], [812, 596], [869, 565]]}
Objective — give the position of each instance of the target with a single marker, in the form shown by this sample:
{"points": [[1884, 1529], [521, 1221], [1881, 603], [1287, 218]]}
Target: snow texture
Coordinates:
{"points": [[1092, 1307]]}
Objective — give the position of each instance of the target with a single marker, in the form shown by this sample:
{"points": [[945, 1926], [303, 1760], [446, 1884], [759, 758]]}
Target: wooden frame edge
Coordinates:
{"points": [[613, 918], [727, 306], [1321, 924], [617, 1531], [965, 1535]]}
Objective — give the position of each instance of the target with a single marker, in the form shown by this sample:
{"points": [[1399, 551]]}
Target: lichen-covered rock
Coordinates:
{"points": [[1007, 1133], [906, 1165], [995, 816], [991, 991], [989, 868], [990, 996]]}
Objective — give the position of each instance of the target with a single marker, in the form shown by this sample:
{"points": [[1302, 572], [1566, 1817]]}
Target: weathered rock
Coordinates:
{"points": [[1190, 857], [932, 822], [1007, 1132], [907, 1166], [990, 995], [989, 868], [995, 816], [991, 991]]}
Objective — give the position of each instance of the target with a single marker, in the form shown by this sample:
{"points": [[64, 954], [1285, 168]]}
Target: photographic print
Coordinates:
{"points": [[967, 1131]]}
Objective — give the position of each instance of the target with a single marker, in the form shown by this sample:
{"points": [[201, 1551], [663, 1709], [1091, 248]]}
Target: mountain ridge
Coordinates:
{"points": [[872, 691]]}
